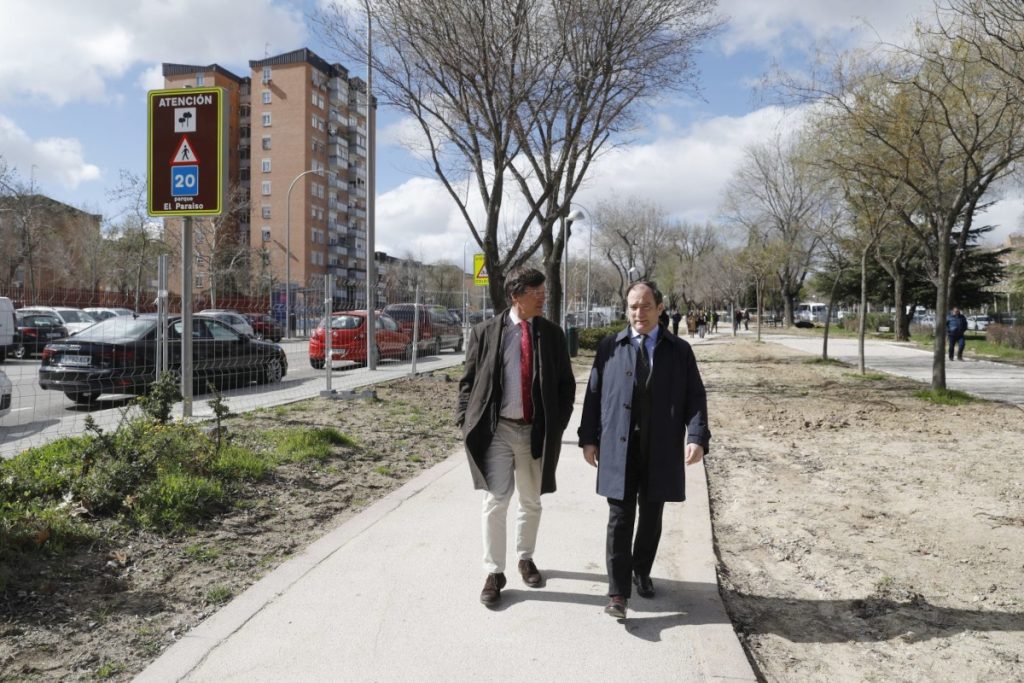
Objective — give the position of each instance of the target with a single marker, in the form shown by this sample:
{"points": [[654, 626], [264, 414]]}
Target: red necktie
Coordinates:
{"points": [[526, 370]]}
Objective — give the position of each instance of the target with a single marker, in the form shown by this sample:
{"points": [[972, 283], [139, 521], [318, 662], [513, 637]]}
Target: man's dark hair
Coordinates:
{"points": [[650, 285], [520, 279]]}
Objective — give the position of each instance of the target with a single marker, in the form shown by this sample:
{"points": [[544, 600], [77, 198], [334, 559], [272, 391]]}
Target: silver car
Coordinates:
{"points": [[5, 394], [73, 319], [233, 318]]}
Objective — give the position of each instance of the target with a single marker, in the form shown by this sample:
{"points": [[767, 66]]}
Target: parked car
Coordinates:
{"points": [[348, 339], [978, 322], [35, 331], [265, 327], [6, 390], [233, 318], [118, 356], [74, 319], [438, 329], [101, 313]]}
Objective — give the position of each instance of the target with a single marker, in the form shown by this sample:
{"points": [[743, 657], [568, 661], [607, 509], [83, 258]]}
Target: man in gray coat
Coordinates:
{"points": [[515, 400], [644, 397]]}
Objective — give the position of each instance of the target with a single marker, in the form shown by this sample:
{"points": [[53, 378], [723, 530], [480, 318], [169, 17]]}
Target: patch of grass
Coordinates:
{"points": [[302, 443], [109, 670], [201, 553], [43, 472], [219, 594], [415, 458], [944, 397], [383, 470], [176, 501], [825, 361], [235, 463]]}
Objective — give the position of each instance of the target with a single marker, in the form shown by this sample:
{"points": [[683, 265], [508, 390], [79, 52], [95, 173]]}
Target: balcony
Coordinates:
{"points": [[359, 273], [339, 250], [356, 171], [356, 191], [356, 211]]}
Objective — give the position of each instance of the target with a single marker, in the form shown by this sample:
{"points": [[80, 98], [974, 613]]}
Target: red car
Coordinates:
{"points": [[265, 327], [348, 339]]}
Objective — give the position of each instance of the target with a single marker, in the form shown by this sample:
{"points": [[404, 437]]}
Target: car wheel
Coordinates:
{"points": [[317, 363], [437, 346], [272, 373], [83, 398], [458, 345], [20, 352]]}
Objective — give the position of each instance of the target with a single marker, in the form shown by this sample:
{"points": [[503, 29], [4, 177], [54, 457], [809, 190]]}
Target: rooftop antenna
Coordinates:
{"points": [[266, 49]]}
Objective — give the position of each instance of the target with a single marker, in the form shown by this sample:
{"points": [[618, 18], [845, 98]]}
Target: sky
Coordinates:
{"points": [[74, 76]]}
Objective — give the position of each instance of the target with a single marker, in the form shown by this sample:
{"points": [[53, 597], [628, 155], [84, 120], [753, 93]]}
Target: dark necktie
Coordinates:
{"points": [[526, 369], [643, 362]]}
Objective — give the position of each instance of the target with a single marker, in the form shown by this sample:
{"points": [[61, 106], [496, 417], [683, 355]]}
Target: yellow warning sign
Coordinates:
{"points": [[479, 271]]}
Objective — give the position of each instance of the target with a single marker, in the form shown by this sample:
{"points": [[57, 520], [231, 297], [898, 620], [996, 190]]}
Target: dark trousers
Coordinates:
{"points": [[623, 554], [958, 344]]}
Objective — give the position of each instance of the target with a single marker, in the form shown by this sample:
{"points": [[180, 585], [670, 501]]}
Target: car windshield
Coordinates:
{"points": [[344, 322], [70, 315], [120, 327]]}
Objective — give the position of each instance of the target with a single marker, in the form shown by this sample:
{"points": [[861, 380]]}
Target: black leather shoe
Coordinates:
{"points": [[531, 575], [491, 594], [616, 607], [644, 586]]}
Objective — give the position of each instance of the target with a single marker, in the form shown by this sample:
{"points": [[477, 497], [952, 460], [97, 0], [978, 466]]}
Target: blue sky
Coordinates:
{"points": [[74, 75]]}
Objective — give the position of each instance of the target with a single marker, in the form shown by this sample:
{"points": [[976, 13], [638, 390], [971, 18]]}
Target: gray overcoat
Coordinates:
{"points": [[554, 391]]}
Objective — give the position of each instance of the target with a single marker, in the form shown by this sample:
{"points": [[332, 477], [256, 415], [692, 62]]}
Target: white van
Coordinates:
{"points": [[811, 312], [8, 325]]}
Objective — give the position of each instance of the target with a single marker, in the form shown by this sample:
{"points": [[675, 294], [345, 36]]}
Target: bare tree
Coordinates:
{"points": [[632, 234], [137, 242], [548, 81], [780, 199]]}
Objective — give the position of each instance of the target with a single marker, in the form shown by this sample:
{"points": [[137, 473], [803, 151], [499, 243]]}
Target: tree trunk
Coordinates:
{"points": [[862, 323], [941, 308], [899, 285]]}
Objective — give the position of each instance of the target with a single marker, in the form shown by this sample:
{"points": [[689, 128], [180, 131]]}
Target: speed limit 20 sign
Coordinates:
{"points": [[187, 151]]}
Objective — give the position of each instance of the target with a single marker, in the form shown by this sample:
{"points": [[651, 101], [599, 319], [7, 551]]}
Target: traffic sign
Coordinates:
{"points": [[480, 270], [187, 151]]}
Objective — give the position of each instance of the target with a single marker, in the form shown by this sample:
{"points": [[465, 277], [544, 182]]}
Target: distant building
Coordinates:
{"points": [[47, 245], [292, 113]]}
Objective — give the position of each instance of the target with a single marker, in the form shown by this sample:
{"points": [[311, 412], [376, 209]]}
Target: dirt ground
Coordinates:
{"points": [[864, 534]]}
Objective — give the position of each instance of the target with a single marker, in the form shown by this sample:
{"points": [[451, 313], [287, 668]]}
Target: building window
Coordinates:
{"points": [[266, 119], [243, 132], [266, 142], [266, 234], [266, 212], [243, 174], [266, 165], [266, 97], [243, 111], [266, 74], [199, 79], [266, 187]]}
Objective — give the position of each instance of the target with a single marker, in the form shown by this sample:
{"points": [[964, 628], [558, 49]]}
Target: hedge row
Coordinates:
{"points": [[1005, 335]]}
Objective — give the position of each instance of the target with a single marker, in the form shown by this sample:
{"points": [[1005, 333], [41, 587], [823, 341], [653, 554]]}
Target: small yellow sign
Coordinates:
{"points": [[479, 271]]}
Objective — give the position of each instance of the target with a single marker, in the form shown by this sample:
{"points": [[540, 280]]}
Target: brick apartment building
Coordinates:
{"points": [[292, 113]]}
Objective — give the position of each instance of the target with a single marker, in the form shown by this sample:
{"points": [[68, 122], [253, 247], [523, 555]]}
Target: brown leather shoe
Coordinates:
{"points": [[616, 607], [491, 594], [531, 575]]}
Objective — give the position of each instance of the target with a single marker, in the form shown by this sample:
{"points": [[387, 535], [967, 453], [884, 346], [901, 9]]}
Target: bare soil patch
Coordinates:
{"points": [[864, 534]]}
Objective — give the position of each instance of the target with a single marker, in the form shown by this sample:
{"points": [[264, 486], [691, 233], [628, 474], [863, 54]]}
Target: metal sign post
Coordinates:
{"points": [[328, 333], [186, 176]]}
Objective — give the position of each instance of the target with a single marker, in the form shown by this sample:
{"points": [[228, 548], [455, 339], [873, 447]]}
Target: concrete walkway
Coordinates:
{"points": [[982, 378], [393, 595]]}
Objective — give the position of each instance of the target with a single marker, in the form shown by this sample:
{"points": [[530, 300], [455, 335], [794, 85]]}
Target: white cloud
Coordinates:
{"points": [[685, 174], [770, 24], [52, 159], [1005, 216], [84, 45]]}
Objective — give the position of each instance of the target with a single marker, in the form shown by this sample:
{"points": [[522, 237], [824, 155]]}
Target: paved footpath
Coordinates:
{"points": [[982, 378], [393, 595]]}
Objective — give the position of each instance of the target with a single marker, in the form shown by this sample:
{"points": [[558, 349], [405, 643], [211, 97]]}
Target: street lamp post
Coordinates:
{"points": [[288, 254], [567, 221]]}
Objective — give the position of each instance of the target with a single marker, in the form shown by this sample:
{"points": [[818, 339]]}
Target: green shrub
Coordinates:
{"points": [[176, 501], [31, 525], [590, 337], [944, 397]]}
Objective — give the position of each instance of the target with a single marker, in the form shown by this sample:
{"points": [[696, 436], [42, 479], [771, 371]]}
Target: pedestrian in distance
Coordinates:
{"points": [[714, 322], [702, 323], [644, 419], [956, 328], [737, 318], [663, 319], [676, 317], [515, 400], [746, 320]]}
